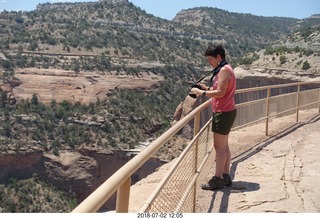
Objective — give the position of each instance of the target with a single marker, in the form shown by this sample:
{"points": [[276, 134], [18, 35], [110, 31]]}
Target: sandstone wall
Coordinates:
{"points": [[20, 165]]}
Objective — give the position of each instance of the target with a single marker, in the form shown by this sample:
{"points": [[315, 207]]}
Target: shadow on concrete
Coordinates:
{"points": [[237, 187]]}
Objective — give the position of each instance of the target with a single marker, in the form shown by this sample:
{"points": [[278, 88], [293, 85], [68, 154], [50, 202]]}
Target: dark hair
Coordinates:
{"points": [[215, 51]]}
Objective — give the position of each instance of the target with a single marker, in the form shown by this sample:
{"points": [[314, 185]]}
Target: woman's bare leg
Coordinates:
{"points": [[222, 153]]}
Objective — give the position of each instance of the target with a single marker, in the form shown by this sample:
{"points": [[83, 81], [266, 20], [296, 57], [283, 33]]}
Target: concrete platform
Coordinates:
{"points": [[281, 174]]}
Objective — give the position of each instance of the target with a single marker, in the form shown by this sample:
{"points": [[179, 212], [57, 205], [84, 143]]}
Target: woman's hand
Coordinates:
{"points": [[196, 91], [203, 86]]}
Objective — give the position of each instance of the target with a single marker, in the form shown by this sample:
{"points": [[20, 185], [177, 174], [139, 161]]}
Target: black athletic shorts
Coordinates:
{"points": [[223, 121]]}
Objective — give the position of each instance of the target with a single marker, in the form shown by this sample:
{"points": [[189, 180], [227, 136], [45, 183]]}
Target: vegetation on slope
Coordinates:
{"points": [[33, 196], [119, 122]]}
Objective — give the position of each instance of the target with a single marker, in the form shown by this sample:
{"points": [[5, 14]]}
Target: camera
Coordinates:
{"points": [[196, 86]]}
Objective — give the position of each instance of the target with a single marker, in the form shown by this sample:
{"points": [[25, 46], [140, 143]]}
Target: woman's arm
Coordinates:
{"points": [[224, 76]]}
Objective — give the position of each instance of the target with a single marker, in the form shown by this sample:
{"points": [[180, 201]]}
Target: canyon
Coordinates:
{"points": [[76, 172]]}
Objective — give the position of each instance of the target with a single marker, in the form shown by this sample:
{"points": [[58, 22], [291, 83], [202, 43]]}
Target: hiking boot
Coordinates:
{"points": [[213, 184], [226, 180]]}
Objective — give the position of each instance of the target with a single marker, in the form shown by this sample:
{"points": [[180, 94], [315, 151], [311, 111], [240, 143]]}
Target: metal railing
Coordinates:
{"points": [[177, 191]]}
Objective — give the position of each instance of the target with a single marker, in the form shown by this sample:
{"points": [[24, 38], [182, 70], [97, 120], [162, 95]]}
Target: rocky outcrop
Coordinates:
{"points": [[185, 108], [7, 88], [77, 172], [114, 1]]}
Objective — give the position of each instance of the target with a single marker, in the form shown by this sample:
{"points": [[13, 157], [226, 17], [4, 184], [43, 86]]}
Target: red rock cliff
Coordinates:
{"points": [[78, 172]]}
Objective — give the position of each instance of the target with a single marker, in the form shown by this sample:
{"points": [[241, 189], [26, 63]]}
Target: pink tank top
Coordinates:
{"points": [[226, 103]]}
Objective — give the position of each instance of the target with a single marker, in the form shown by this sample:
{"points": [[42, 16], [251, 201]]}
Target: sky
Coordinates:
{"points": [[167, 9]]}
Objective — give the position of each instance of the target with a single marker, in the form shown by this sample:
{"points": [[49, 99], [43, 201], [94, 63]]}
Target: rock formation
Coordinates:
{"points": [[78, 172]]}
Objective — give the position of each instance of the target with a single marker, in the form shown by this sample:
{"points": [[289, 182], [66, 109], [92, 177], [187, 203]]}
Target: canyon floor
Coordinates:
{"points": [[84, 87]]}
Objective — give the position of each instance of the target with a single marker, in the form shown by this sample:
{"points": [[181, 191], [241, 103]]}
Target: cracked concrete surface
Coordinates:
{"points": [[281, 177]]}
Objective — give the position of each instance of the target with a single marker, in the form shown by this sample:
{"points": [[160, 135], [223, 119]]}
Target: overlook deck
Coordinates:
{"points": [[275, 173], [279, 174]]}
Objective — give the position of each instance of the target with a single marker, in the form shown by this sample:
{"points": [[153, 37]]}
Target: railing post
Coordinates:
{"points": [[123, 195], [267, 110], [319, 101], [196, 125], [195, 132], [298, 103]]}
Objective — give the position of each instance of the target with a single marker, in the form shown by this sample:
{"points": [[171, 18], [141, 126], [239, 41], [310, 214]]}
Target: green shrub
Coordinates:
{"points": [[305, 65]]}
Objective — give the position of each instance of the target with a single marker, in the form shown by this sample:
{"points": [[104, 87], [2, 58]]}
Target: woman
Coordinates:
{"points": [[222, 89]]}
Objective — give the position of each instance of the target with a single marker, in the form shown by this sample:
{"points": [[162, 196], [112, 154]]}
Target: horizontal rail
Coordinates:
{"points": [[274, 86]]}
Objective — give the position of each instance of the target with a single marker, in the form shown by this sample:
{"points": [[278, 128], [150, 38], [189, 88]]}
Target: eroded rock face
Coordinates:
{"points": [[20, 165], [78, 172], [185, 107]]}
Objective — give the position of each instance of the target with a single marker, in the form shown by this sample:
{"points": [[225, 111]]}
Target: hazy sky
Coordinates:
{"points": [[169, 8]]}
